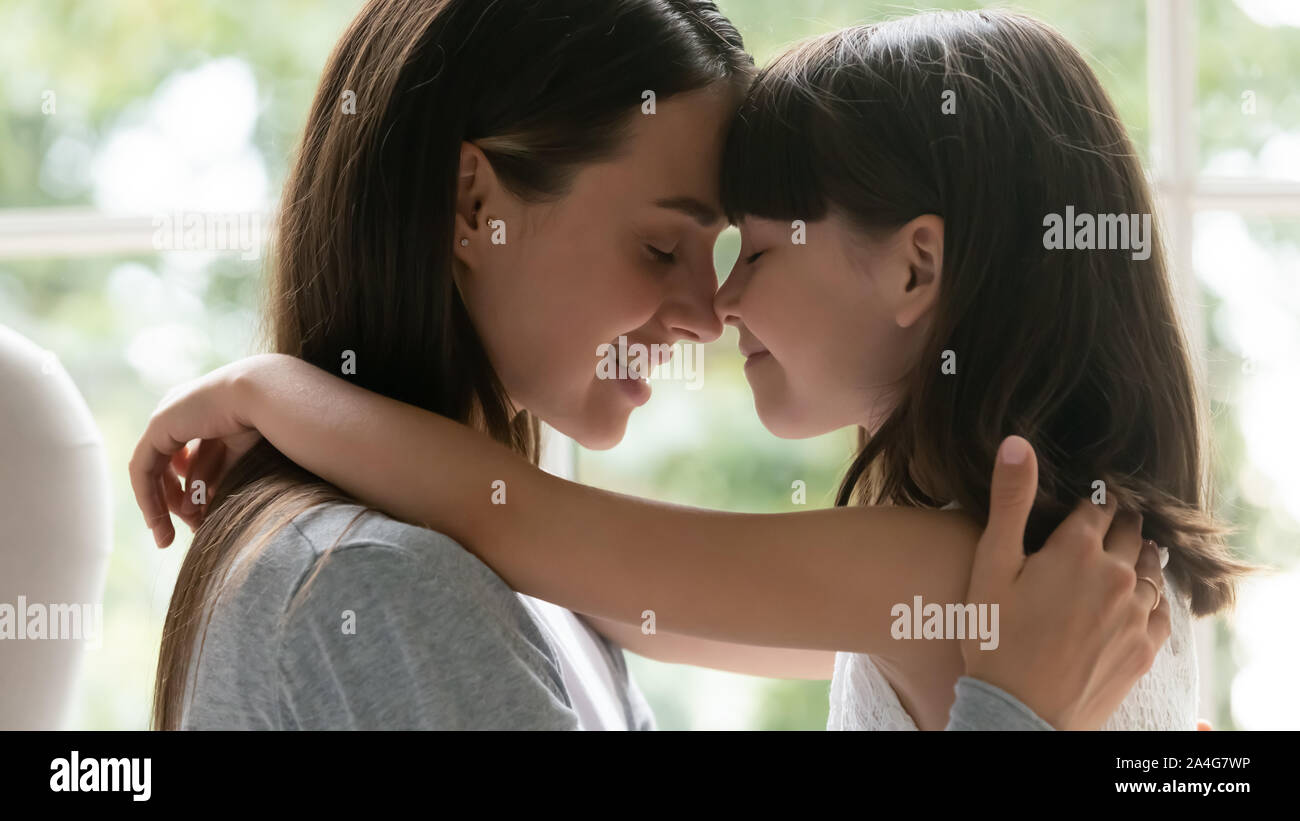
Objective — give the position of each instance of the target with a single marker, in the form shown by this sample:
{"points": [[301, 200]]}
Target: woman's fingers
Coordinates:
{"points": [[1159, 624], [1124, 539], [1086, 526], [1148, 567]]}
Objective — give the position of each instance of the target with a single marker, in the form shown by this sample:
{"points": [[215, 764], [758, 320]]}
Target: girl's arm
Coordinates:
{"points": [[822, 579]]}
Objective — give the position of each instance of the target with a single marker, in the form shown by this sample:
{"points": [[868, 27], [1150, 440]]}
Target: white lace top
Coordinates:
{"points": [[1164, 699]]}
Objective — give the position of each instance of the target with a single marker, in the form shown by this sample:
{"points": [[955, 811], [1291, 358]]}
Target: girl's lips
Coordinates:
{"points": [[749, 349], [755, 357]]}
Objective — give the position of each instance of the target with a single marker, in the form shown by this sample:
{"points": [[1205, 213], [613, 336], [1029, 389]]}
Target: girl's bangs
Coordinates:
{"points": [[770, 165]]}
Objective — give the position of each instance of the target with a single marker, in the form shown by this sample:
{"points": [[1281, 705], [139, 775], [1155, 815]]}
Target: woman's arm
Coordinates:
{"points": [[823, 579], [673, 648]]}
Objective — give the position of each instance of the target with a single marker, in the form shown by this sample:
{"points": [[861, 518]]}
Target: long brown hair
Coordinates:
{"points": [[993, 121], [364, 241]]}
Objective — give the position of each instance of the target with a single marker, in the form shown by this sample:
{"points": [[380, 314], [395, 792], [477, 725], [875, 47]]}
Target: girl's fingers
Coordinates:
{"points": [[163, 530], [151, 457], [177, 497], [181, 459], [204, 467], [146, 484], [173, 493]]}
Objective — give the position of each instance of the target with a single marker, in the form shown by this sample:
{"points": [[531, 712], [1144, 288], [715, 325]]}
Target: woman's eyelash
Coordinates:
{"points": [[752, 258], [666, 257]]}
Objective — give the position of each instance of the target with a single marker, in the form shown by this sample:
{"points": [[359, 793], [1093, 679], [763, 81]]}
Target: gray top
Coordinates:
{"points": [[401, 628], [398, 628], [981, 706]]}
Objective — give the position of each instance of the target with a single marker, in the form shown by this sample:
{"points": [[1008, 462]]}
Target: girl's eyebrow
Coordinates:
{"points": [[703, 213]]}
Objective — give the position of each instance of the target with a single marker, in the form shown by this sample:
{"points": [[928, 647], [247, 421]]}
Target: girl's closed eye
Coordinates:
{"points": [[752, 258]]}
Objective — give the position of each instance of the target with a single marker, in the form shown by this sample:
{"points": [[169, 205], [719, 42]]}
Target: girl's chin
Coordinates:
{"points": [[782, 429], [784, 420]]}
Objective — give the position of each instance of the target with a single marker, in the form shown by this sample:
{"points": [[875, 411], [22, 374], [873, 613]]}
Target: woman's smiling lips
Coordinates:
{"points": [[638, 390], [636, 387]]}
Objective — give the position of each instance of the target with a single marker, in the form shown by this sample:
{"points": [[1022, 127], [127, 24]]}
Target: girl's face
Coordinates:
{"points": [[628, 251], [829, 326]]}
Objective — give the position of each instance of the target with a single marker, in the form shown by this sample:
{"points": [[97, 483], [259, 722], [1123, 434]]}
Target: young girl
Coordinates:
{"points": [[891, 183]]}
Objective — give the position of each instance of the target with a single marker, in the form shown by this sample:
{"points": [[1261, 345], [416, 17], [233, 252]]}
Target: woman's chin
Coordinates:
{"points": [[601, 441], [599, 433]]}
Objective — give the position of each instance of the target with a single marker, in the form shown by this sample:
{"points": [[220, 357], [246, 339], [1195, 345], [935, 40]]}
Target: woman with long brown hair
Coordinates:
{"points": [[923, 243], [436, 120]]}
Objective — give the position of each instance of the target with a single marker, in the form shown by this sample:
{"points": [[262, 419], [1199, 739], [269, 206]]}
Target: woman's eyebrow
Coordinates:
{"points": [[700, 211]]}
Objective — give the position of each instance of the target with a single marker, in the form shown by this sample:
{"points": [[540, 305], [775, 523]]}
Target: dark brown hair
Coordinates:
{"points": [[364, 241], [992, 121]]}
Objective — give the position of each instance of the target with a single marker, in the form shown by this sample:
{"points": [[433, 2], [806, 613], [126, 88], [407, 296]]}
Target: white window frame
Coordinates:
{"points": [[1183, 192]]}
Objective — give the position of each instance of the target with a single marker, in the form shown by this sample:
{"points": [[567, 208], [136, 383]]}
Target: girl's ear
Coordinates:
{"points": [[920, 249], [476, 184]]}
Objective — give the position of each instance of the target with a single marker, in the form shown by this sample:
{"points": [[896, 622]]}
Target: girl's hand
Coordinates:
{"points": [[209, 410]]}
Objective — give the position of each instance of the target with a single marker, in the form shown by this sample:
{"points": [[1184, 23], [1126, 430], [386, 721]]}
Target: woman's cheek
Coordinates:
{"points": [[634, 299]]}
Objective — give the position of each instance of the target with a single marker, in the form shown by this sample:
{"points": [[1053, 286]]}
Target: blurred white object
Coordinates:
{"points": [[55, 535]]}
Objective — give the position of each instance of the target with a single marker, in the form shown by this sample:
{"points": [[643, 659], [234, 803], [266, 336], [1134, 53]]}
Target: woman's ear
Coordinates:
{"points": [[920, 250], [475, 185]]}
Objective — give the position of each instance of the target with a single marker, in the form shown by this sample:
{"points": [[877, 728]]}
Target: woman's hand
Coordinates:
{"points": [[1079, 627], [210, 409]]}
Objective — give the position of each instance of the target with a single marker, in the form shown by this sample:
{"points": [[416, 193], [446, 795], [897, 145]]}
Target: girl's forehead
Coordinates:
{"points": [[753, 224]]}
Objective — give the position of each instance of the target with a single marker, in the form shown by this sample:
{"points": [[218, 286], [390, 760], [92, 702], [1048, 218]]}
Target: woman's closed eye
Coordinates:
{"points": [[666, 257], [752, 258]]}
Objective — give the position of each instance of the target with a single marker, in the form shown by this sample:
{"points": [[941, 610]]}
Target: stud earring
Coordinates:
{"points": [[464, 241]]}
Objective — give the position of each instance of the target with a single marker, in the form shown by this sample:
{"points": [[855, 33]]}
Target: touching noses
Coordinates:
{"points": [[726, 303], [687, 311]]}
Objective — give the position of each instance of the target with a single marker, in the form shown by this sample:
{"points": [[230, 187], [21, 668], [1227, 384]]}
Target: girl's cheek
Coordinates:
{"points": [[783, 311]]}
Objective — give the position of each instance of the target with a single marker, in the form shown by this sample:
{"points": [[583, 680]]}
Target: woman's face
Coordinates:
{"points": [[829, 326], [628, 251]]}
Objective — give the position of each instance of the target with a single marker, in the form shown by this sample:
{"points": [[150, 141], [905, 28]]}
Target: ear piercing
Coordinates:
{"points": [[464, 241]]}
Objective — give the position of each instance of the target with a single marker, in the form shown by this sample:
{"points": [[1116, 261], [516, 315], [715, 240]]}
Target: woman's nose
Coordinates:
{"points": [[727, 300], [688, 309], [694, 320]]}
